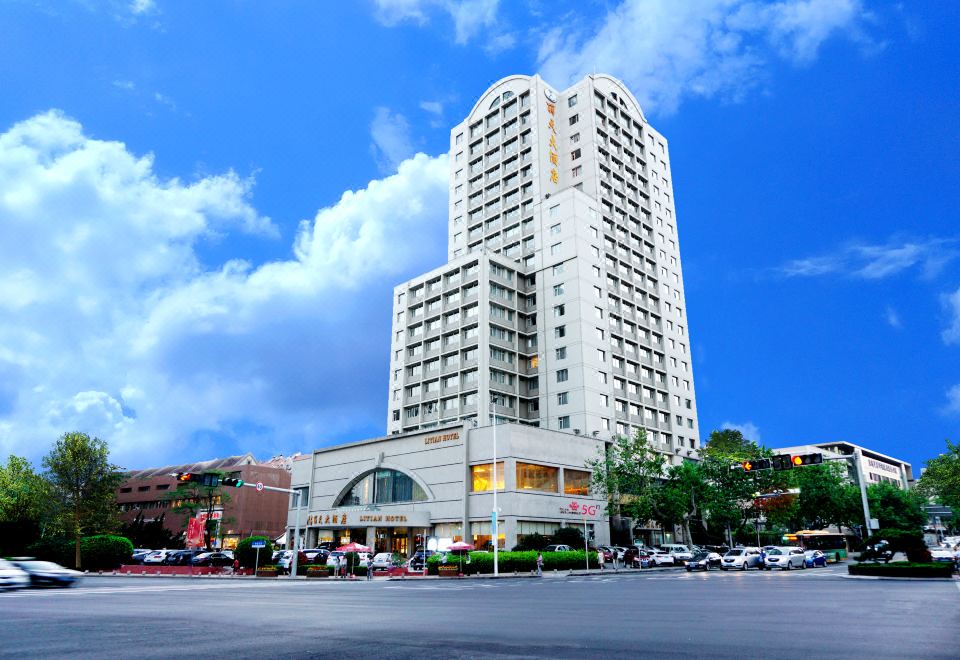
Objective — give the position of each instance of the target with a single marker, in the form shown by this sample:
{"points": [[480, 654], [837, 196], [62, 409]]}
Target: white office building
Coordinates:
{"points": [[562, 303]]}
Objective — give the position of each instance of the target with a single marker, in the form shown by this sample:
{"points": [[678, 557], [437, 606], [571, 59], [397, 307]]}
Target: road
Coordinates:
{"points": [[799, 614]]}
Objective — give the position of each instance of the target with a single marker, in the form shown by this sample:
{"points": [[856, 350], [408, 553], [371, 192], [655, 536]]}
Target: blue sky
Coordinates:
{"points": [[204, 208]]}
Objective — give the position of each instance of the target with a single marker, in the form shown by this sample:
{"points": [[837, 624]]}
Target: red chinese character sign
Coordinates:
{"points": [[195, 533]]}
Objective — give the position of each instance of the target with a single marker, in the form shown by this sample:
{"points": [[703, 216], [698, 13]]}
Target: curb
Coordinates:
{"points": [[898, 579]]}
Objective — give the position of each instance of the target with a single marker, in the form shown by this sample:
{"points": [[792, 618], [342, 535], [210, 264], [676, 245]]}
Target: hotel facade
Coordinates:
{"points": [[558, 323]]}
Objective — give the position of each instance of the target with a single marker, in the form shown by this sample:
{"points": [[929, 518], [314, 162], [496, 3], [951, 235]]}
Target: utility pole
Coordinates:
{"points": [[495, 522]]}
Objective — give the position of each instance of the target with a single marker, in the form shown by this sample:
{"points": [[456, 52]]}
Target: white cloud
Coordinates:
{"points": [[748, 429], [110, 324], [433, 107], [469, 16], [951, 302], [873, 262], [391, 142], [892, 318], [142, 6], [666, 51], [953, 401]]}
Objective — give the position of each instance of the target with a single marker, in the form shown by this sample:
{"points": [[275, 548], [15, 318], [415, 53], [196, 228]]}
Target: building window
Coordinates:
{"points": [[562, 375], [382, 486], [562, 353], [537, 477], [481, 533], [560, 331], [555, 229], [559, 310], [574, 119], [558, 289], [558, 269], [572, 101], [575, 154], [482, 477], [563, 398], [555, 248], [563, 422], [576, 482]]}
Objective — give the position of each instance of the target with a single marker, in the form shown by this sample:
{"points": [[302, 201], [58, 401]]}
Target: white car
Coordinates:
{"points": [[157, 556], [383, 561], [785, 557], [942, 554], [12, 577], [680, 552], [742, 559], [661, 558]]}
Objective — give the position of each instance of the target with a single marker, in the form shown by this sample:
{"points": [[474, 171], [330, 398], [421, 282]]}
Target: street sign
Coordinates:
{"points": [[493, 524], [258, 544], [259, 485], [216, 515]]}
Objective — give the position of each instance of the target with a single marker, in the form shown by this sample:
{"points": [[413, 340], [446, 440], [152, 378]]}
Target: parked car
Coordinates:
{"points": [[48, 573], [661, 558], [814, 558], [157, 556], [212, 559], [557, 547], [316, 555], [138, 556], [12, 576], [382, 561], [785, 557], [704, 560], [416, 561], [942, 554], [637, 556], [679, 551], [741, 558], [181, 557]]}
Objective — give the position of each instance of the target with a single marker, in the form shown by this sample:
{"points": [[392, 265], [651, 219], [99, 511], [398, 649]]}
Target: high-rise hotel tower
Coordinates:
{"points": [[561, 305]]}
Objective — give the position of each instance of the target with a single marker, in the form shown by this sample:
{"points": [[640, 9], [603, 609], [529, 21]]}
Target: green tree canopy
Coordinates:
{"points": [[24, 505], [941, 478], [628, 473], [83, 486], [826, 497], [896, 508]]}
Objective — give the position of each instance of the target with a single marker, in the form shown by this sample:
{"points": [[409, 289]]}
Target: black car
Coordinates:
{"points": [[48, 573], [703, 561], [416, 562], [212, 559], [181, 557]]}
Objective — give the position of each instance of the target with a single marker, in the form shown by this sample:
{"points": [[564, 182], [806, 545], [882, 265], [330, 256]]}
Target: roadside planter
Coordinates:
{"points": [[448, 571], [267, 572], [321, 572]]}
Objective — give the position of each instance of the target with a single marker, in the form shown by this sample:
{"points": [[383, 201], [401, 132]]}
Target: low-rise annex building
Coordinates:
{"points": [[396, 492]]}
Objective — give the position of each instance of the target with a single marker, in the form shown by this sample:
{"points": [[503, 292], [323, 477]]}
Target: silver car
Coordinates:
{"points": [[785, 557], [742, 559], [12, 577]]}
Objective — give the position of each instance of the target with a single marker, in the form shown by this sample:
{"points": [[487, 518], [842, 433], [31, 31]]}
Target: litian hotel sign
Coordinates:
{"points": [[368, 518], [441, 438]]}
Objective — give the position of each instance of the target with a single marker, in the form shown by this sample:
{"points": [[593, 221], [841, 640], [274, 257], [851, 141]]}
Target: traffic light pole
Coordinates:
{"points": [[296, 518]]}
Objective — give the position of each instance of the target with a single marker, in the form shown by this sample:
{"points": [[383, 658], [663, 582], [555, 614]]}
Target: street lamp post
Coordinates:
{"points": [[495, 522]]}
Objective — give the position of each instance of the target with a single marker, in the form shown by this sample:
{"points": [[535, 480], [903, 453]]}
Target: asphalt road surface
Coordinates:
{"points": [[799, 614]]}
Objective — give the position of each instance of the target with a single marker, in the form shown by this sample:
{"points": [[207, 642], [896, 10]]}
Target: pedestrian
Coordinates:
{"points": [[369, 567], [236, 566], [601, 557], [539, 564]]}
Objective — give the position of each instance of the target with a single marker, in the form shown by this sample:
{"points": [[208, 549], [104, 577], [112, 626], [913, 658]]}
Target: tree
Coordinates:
{"points": [[24, 504], [628, 474], [191, 498], [896, 508], [152, 534], [681, 498], [826, 497], [83, 486], [571, 536], [941, 478]]}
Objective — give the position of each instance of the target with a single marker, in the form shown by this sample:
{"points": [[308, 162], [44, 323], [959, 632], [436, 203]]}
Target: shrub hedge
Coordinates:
{"points": [[100, 552], [247, 556], [526, 561], [904, 569]]}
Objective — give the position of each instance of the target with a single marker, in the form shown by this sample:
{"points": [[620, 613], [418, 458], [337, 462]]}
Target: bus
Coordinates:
{"points": [[829, 543]]}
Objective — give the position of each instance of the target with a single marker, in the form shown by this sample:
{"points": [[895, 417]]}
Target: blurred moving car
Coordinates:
{"points": [[416, 561], [48, 573], [741, 558], [12, 576], [814, 558], [785, 557]]}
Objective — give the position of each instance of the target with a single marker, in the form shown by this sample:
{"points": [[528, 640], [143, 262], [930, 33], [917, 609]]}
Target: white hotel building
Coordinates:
{"points": [[561, 307]]}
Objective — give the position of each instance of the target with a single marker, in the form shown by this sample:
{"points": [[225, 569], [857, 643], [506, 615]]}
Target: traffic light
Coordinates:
{"points": [[232, 481], [753, 465], [210, 479], [807, 459], [189, 476], [782, 462]]}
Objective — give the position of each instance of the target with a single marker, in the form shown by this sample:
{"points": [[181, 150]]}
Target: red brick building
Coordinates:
{"points": [[248, 512]]}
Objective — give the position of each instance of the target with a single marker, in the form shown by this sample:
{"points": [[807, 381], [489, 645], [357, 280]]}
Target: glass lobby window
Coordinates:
{"points": [[576, 482], [537, 477], [382, 487], [482, 476], [482, 534]]}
